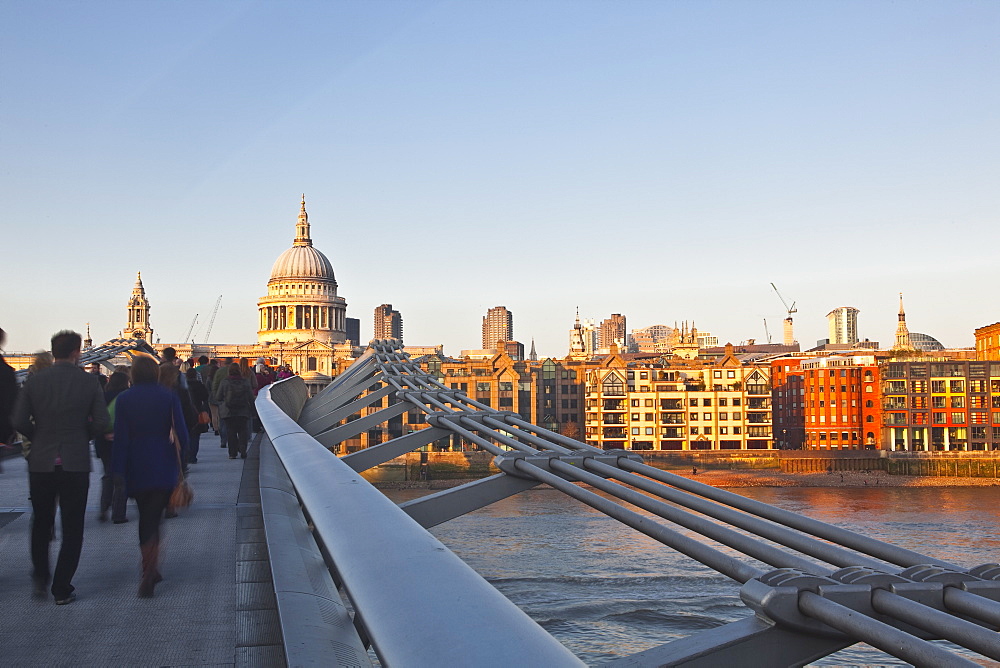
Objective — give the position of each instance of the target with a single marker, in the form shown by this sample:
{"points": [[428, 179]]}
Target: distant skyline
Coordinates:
{"points": [[662, 160]]}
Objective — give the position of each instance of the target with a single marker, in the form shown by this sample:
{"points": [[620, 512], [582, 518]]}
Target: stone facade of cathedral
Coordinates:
{"points": [[302, 319]]}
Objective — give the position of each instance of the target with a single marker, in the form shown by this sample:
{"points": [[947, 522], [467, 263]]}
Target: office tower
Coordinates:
{"points": [[353, 330], [612, 333], [652, 339], [498, 325], [843, 323], [388, 323]]}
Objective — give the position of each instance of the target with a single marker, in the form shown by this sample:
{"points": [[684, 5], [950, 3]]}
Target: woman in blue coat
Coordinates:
{"points": [[144, 455]]}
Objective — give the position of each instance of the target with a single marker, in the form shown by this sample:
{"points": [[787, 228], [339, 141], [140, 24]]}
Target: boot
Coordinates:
{"points": [[150, 567]]}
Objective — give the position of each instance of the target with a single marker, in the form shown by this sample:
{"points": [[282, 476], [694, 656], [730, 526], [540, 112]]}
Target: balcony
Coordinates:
{"points": [[614, 419]]}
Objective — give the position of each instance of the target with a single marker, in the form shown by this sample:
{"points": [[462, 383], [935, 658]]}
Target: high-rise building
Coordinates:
{"points": [[498, 326], [652, 339], [353, 331], [612, 333], [843, 322], [388, 323]]}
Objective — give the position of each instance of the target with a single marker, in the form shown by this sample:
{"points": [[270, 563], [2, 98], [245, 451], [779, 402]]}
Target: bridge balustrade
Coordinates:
{"points": [[822, 588]]}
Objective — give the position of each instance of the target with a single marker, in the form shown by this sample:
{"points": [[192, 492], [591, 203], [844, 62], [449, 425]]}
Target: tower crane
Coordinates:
{"points": [[211, 321], [789, 334], [191, 328]]}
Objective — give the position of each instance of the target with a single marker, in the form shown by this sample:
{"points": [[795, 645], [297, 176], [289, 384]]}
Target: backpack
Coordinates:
{"points": [[237, 395]]}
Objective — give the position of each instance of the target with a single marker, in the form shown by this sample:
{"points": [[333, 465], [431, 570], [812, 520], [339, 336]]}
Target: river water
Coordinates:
{"points": [[606, 591]]}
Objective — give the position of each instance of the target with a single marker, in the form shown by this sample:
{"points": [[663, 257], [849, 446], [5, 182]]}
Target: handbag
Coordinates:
{"points": [[182, 494]]}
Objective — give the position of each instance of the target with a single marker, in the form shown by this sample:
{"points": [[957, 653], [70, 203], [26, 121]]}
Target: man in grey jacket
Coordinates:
{"points": [[59, 409]]}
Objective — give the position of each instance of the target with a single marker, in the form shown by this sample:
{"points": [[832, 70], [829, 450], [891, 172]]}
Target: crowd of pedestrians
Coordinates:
{"points": [[144, 422]]}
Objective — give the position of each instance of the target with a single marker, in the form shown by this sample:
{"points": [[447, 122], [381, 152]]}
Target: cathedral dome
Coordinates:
{"points": [[302, 262]]}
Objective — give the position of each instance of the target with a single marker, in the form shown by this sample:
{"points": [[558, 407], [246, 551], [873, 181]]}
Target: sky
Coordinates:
{"points": [[666, 160]]}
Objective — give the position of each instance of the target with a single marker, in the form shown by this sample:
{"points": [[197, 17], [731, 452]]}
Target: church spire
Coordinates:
{"points": [[302, 226], [902, 332], [138, 313]]}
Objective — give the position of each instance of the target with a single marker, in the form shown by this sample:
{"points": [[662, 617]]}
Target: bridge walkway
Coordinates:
{"points": [[214, 607]]}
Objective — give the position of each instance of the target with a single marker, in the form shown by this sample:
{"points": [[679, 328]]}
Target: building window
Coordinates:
{"points": [[648, 403], [706, 402], [723, 416], [706, 416], [958, 418], [311, 364], [694, 416], [694, 431], [723, 430]]}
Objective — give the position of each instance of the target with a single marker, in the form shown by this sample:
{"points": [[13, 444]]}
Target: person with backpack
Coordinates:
{"points": [[235, 397]]}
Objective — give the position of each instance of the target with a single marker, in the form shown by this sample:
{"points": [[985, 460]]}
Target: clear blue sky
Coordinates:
{"points": [[666, 160]]}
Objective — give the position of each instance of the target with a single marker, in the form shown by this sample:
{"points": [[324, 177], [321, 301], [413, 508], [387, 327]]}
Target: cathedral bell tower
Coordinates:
{"points": [[138, 326]]}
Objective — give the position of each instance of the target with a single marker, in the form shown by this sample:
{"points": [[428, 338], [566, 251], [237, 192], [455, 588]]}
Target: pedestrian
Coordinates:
{"points": [[170, 377], [220, 375], [95, 368], [150, 435], [170, 359], [112, 491], [209, 381], [199, 400], [235, 397], [42, 360], [61, 409], [202, 369], [8, 396]]}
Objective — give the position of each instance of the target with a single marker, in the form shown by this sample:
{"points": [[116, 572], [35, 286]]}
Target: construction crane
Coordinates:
{"points": [[190, 329], [211, 321], [767, 332], [789, 333]]}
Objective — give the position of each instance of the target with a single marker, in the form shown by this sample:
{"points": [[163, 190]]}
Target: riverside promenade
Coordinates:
{"points": [[215, 605]]}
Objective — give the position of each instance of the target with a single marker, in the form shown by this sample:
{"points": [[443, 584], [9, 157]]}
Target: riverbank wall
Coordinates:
{"points": [[417, 466]]}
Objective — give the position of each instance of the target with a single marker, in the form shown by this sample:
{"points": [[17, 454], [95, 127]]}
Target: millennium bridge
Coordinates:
{"points": [[294, 559]]}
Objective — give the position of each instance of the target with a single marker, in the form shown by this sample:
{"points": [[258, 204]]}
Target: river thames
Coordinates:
{"points": [[606, 591]]}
